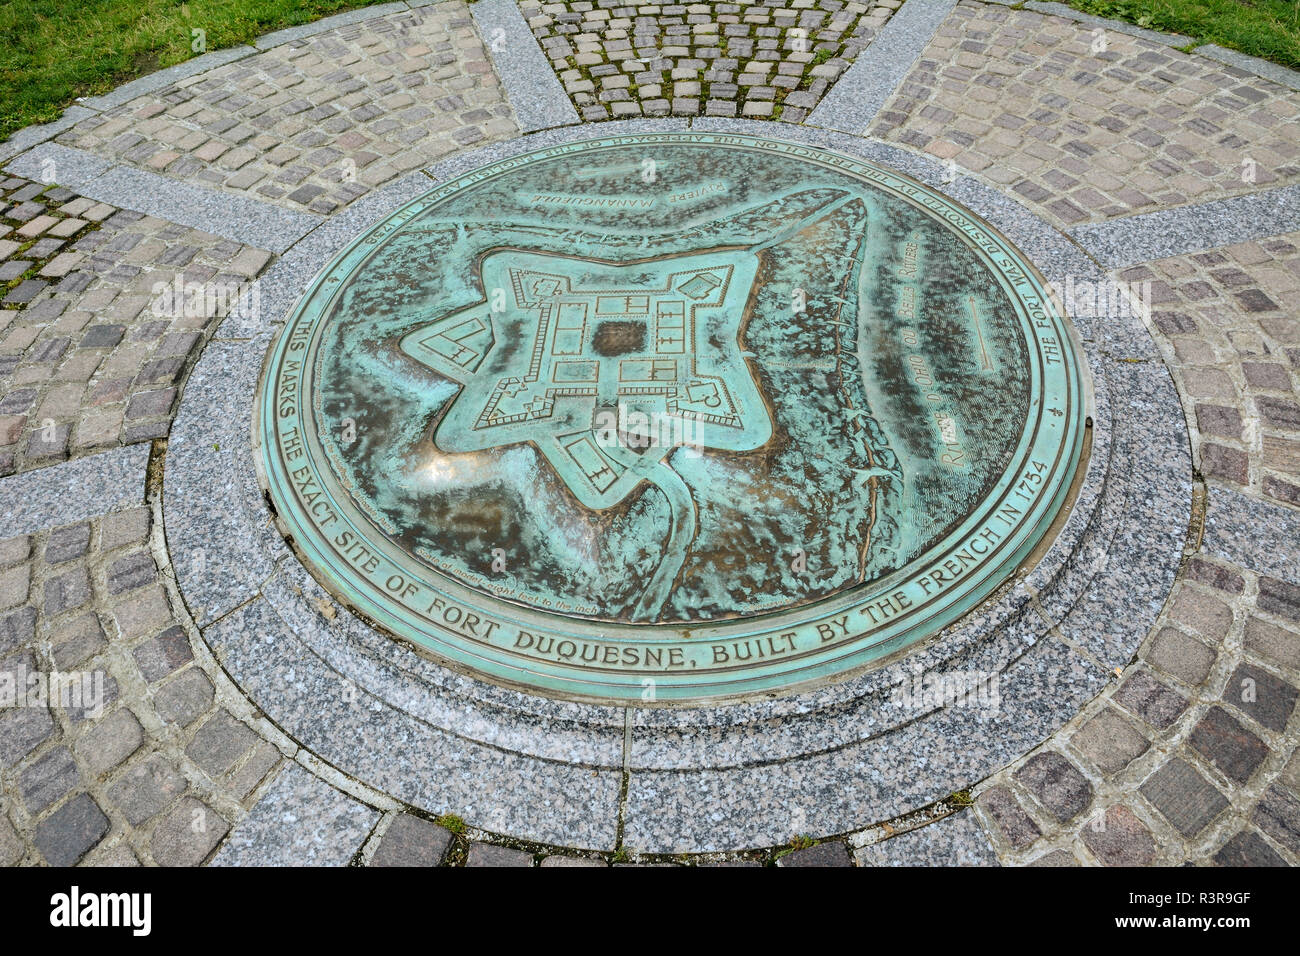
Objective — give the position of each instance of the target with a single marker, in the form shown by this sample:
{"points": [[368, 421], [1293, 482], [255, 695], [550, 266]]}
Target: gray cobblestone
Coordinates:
{"points": [[185, 698], [146, 789], [1267, 699], [488, 854], [668, 66], [1110, 742], [411, 841], [49, 779], [72, 831], [164, 654], [110, 740], [1278, 815], [1015, 825], [1248, 848], [1233, 749], [187, 833], [11, 844], [277, 119], [1184, 797], [64, 544], [831, 853], [1058, 785], [220, 743], [1123, 840]]}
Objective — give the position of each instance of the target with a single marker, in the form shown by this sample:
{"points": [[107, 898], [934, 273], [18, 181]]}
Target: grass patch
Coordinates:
{"points": [[1269, 29], [52, 51], [449, 821]]}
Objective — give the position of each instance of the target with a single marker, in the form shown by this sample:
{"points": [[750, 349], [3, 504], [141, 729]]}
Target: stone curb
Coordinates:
{"points": [[289, 34], [1252, 64], [532, 88], [166, 77], [1069, 13], [853, 102], [1129, 240], [73, 490], [232, 216], [30, 136]]}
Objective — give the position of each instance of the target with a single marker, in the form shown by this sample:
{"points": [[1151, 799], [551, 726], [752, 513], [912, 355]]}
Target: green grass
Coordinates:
{"points": [[52, 51], [1263, 28], [455, 824]]}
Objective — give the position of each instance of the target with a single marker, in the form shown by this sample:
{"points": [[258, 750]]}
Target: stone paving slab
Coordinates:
{"points": [[547, 801], [213, 519], [30, 136], [534, 91], [1131, 240], [233, 217], [956, 840], [1245, 530], [73, 490], [300, 821], [865, 783]]}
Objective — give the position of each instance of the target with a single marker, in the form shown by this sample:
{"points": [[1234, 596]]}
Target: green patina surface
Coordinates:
{"points": [[671, 417]]}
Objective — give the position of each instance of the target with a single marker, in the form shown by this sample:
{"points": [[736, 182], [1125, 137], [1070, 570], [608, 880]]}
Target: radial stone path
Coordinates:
{"points": [[811, 433]]}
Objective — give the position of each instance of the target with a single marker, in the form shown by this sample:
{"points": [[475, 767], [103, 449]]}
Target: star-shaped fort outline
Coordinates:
{"points": [[481, 348]]}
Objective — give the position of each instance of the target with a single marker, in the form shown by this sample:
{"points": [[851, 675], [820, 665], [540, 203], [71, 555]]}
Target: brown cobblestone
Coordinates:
{"points": [[1121, 839]]}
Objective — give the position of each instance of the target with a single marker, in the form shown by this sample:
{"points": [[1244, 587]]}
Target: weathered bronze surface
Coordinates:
{"points": [[671, 417]]}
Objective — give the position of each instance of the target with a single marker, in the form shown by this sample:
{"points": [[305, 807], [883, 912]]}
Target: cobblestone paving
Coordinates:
{"points": [[1189, 755], [1083, 125], [316, 123], [1232, 338], [763, 60], [139, 759], [104, 309]]}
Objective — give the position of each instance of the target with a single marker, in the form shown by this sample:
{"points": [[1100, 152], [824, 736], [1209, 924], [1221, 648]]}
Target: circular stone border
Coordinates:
{"points": [[289, 459], [822, 762]]}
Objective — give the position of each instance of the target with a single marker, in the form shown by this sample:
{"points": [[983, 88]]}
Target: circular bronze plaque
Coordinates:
{"points": [[671, 417]]}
